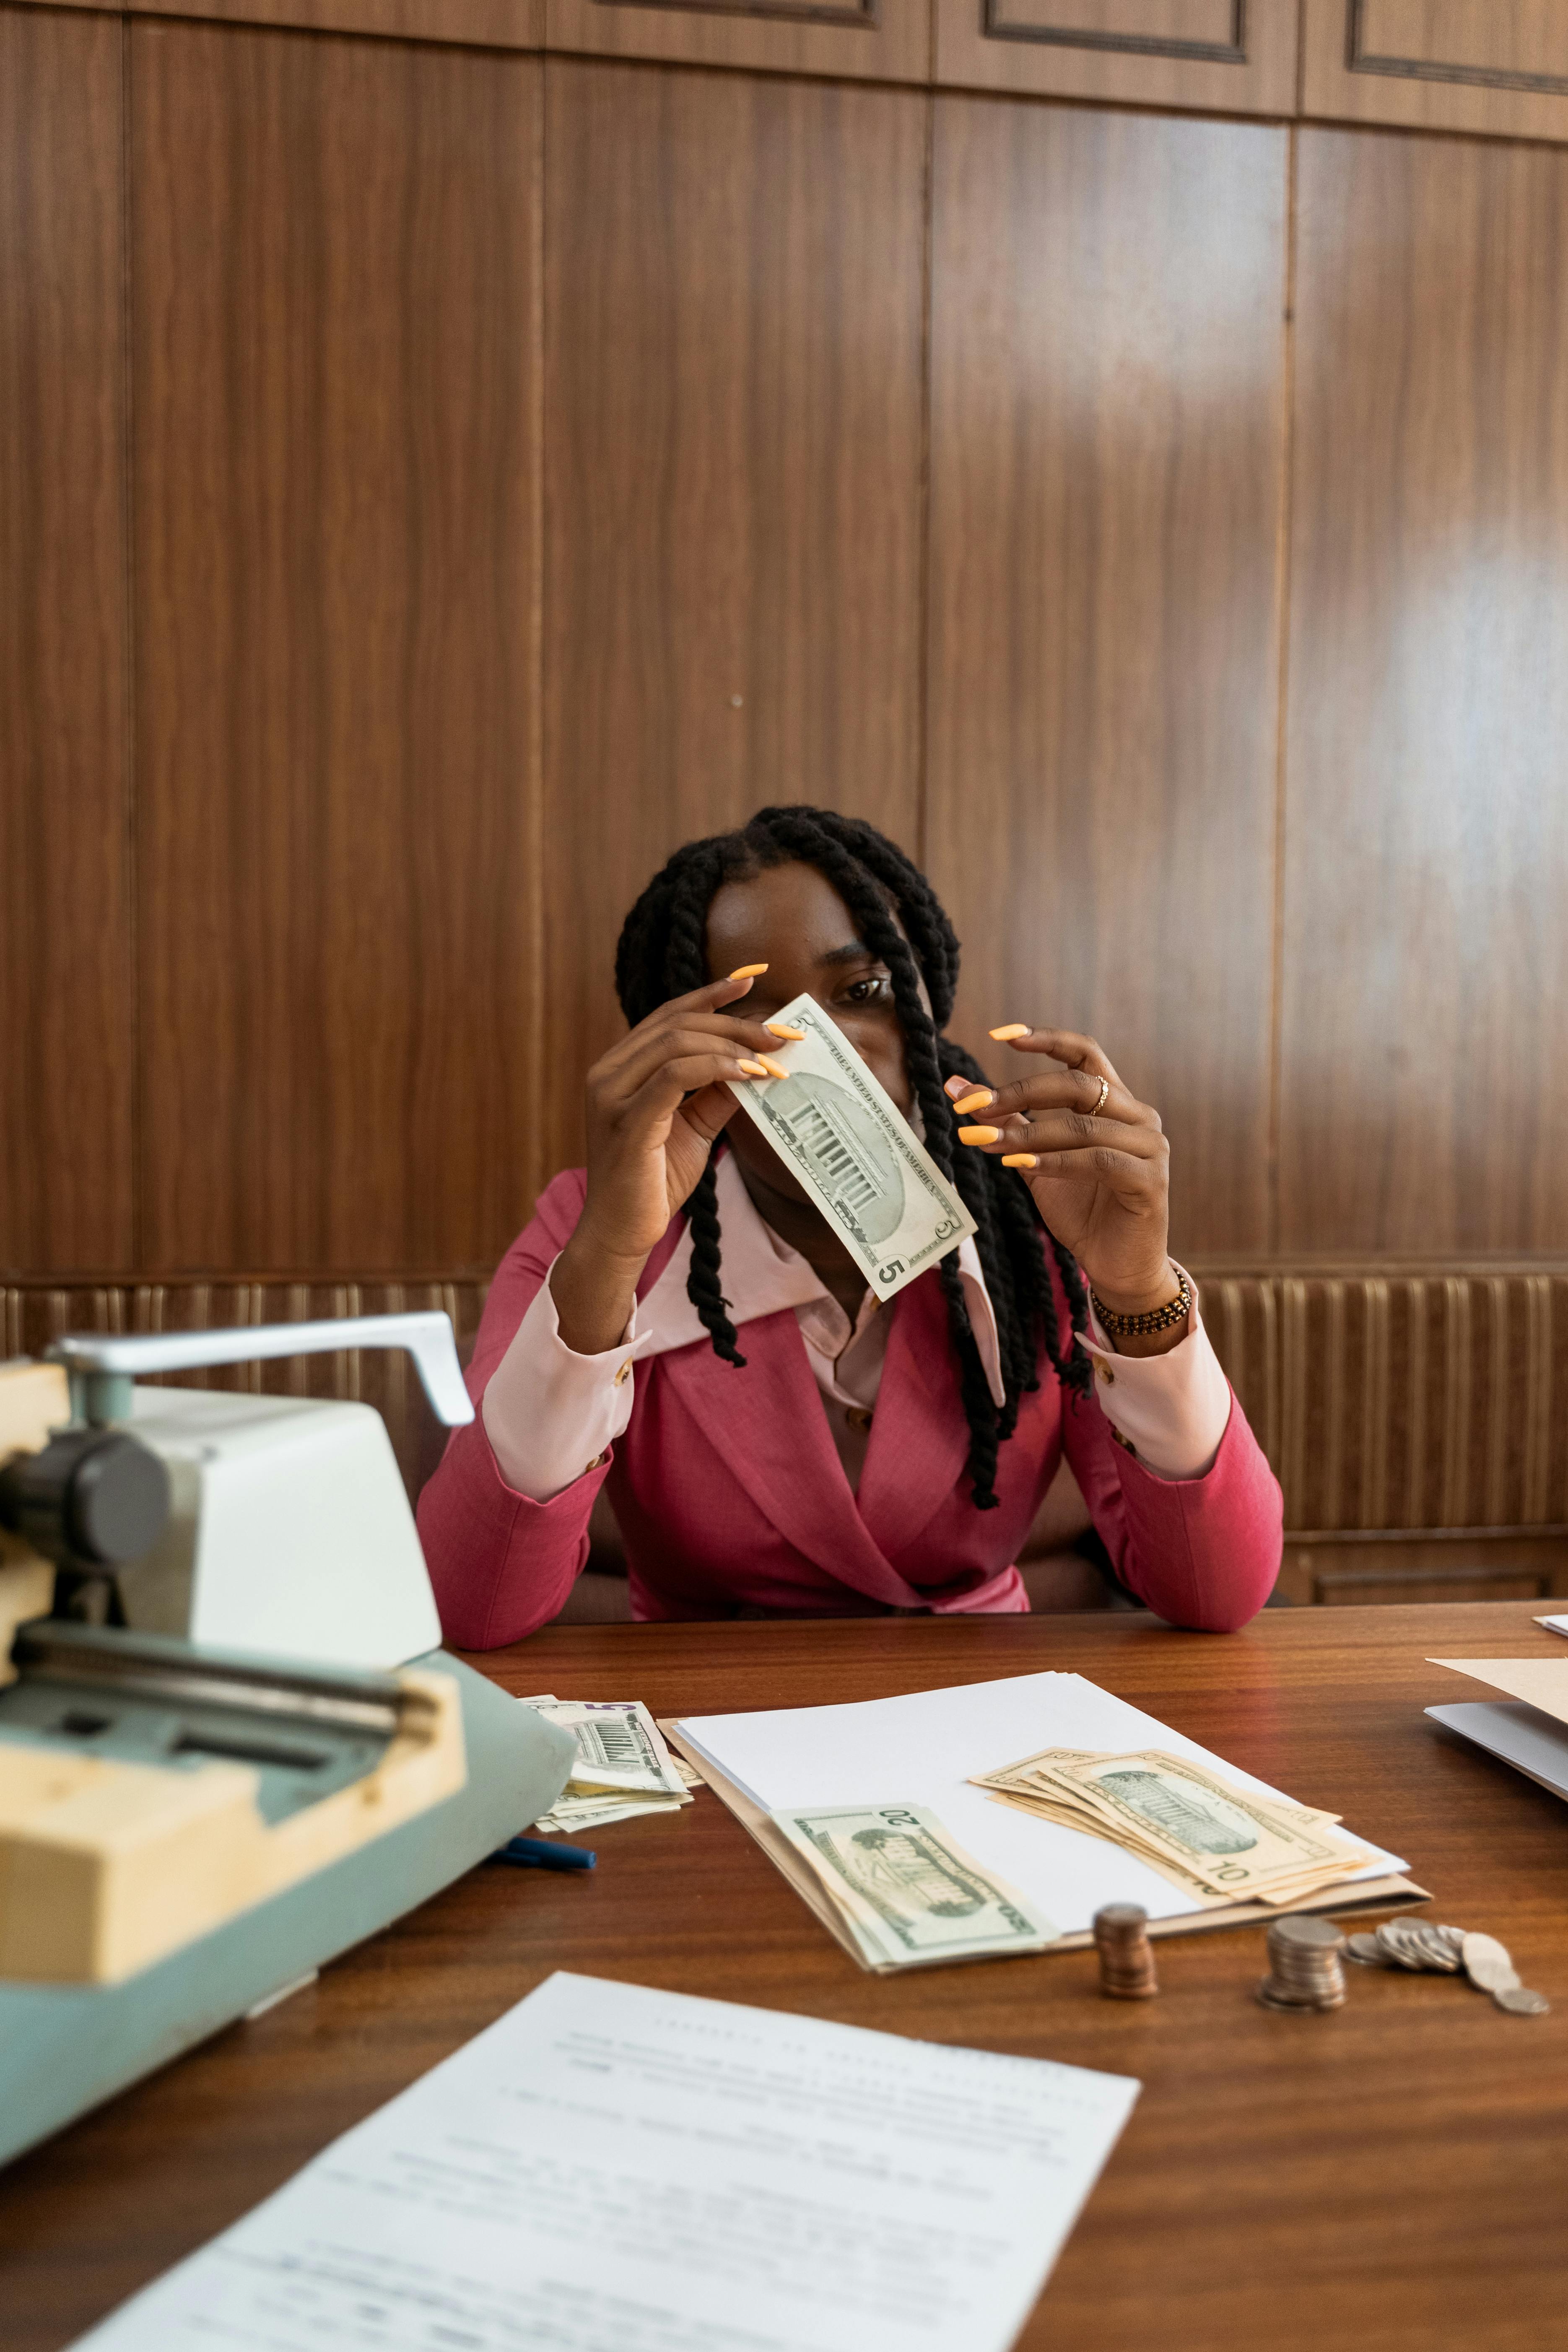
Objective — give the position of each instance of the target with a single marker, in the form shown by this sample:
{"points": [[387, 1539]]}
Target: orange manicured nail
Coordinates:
{"points": [[1013, 1029], [981, 1096], [748, 971], [1018, 1160], [978, 1134], [754, 1069], [775, 1069], [782, 1029]]}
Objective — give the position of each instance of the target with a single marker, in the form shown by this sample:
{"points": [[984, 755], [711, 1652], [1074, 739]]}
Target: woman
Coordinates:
{"points": [[680, 1322]]}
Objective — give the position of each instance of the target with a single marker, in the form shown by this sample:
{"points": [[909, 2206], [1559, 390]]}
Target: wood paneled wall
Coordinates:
{"points": [[1107, 422], [734, 594], [334, 286], [1424, 954], [436, 480], [67, 969]]}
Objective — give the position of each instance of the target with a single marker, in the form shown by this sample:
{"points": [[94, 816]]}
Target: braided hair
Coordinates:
{"points": [[663, 953]]}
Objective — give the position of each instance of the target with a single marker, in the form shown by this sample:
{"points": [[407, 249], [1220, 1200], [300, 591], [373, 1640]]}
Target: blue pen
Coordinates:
{"points": [[539, 1854]]}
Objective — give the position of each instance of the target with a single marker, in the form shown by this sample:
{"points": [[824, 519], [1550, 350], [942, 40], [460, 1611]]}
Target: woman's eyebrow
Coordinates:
{"points": [[855, 952]]}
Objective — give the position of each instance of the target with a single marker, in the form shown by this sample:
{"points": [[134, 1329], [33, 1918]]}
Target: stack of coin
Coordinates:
{"points": [[1304, 1969], [1126, 1959], [1423, 1945]]}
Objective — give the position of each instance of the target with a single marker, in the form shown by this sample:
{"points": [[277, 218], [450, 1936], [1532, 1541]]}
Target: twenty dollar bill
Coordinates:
{"points": [[907, 1892], [856, 1153]]}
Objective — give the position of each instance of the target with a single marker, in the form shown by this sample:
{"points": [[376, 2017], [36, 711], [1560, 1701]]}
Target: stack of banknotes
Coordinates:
{"points": [[1217, 1843], [623, 1767], [904, 1891]]}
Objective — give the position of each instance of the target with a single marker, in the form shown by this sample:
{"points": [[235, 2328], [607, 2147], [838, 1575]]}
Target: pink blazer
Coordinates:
{"points": [[731, 1497]]}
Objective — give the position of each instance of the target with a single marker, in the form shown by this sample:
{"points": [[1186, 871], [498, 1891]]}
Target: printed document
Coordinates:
{"points": [[610, 2168]]}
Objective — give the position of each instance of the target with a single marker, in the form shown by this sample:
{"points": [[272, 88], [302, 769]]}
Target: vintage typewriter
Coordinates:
{"points": [[230, 1747]]}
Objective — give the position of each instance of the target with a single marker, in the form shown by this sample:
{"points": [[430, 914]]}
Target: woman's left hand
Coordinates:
{"points": [[1095, 1158]]}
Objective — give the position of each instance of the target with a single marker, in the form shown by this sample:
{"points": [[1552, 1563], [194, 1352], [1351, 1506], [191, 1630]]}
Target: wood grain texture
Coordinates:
{"points": [[66, 1000], [1497, 66], [734, 422], [882, 40], [488, 24], [1388, 2176], [1107, 421], [337, 563], [1230, 56], [1425, 961]]}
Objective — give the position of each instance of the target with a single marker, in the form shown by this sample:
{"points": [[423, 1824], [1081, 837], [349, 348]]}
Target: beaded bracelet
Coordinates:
{"points": [[1158, 1318]]}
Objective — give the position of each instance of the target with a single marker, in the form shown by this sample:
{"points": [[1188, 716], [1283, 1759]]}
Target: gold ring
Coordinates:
{"points": [[1099, 1106]]}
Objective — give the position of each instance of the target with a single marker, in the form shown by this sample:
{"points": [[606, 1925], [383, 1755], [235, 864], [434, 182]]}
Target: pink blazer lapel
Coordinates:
{"points": [[919, 1437], [767, 1424]]}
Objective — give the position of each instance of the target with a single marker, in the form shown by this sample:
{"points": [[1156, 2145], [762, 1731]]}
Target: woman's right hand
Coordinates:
{"points": [[657, 1101]]}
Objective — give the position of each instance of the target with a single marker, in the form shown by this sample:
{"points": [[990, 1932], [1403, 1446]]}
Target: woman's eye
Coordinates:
{"points": [[868, 991]]}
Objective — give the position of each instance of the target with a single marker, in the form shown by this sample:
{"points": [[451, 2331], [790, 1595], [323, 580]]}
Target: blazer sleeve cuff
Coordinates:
{"points": [[1170, 1410], [551, 1415]]}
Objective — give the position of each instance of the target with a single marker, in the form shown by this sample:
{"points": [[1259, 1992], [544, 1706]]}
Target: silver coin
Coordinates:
{"points": [[1368, 1952], [1438, 1951], [1401, 1945], [1519, 2001], [1489, 1965], [1304, 1933]]}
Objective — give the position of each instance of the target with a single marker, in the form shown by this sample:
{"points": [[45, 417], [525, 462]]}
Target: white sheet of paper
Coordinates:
{"points": [[1517, 1733], [610, 2168], [922, 1749]]}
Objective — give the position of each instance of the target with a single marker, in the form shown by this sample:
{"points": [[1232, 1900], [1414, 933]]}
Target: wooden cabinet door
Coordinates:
{"points": [[1229, 56], [1498, 65], [876, 40]]}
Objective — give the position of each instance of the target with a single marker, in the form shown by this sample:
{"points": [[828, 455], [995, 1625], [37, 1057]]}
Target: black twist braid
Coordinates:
{"points": [[662, 953], [685, 967]]}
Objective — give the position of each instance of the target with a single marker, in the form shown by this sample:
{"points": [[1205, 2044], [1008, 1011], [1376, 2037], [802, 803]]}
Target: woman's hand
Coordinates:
{"points": [[1095, 1160], [655, 1102]]}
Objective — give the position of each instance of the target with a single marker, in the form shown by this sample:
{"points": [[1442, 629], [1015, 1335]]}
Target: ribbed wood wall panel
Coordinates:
{"points": [[1389, 1406]]}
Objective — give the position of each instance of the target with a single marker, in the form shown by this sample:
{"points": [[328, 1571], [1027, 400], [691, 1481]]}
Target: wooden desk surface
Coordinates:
{"points": [[1393, 2176]]}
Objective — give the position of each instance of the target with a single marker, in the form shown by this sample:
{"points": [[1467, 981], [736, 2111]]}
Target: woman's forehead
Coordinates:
{"points": [[791, 908]]}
